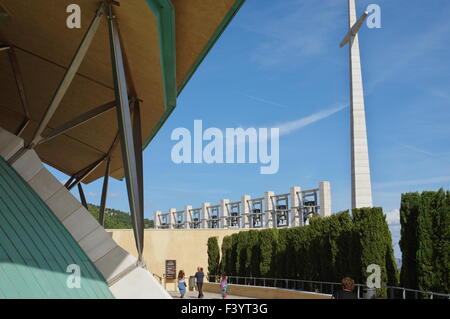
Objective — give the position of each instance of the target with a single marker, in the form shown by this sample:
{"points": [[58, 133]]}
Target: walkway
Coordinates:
{"points": [[208, 295]]}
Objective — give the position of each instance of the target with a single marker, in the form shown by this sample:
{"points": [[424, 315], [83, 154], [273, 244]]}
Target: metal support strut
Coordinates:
{"points": [[68, 76], [82, 197], [132, 161], [101, 213]]}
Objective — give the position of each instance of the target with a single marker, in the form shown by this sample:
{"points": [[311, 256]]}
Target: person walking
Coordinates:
{"points": [[224, 285], [199, 275], [181, 283], [348, 285]]}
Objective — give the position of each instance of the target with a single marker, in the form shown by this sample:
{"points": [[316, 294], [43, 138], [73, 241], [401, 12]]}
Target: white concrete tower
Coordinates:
{"points": [[205, 215], [157, 219], [325, 199], [268, 220], [295, 207], [224, 213], [171, 219], [361, 185], [187, 216], [245, 211]]}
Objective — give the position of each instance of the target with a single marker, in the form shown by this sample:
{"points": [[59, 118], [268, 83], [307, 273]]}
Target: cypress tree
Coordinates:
{"points": [[213, 257], [425, 241], [267, 242], [226, 252], [409, 212], [253, 254], [375, 245]]}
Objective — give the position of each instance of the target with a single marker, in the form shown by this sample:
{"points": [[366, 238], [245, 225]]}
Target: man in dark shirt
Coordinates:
{"points": [[199, 277], [348, 285]]}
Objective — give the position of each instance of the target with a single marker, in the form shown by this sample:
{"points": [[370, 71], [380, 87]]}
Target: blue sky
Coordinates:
{"points": [[279, 65]]}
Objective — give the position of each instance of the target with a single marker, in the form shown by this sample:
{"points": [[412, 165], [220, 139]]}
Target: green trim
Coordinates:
{"points": [[165, 16], [230, 15]]}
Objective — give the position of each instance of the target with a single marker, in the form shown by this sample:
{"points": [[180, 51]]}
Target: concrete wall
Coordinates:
{"points": [[187, 246], [264, 292]]}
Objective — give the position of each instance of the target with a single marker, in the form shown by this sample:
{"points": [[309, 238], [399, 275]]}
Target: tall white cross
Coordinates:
{"points": [[361, 185]]}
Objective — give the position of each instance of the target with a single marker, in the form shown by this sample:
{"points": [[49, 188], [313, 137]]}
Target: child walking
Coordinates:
{"points": [[181, 283], [224, 285]]}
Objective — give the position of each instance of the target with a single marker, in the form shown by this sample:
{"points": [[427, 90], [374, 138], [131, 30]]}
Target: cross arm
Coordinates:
{"points": [[354, 29]]}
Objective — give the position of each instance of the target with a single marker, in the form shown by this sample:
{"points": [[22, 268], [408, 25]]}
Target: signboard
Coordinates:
{"points": [[171, 269]]}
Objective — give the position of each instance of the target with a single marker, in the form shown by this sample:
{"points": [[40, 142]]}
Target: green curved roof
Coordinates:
{"points": [[36, 248]]}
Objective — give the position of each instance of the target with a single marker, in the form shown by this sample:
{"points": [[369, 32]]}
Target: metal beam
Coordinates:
{"points": [[81, 175], [68, 76], [23, 126], [101, 212], [67, 184], [130, 163], [20, 88], [82, 197], [137, 137], [354, 30], [83, 118]]}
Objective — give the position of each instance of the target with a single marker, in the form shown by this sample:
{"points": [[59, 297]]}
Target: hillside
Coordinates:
{"points": [[116, 219]]}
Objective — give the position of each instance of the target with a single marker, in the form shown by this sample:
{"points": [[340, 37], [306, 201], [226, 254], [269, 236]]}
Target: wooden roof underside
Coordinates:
{"points": [[44, 47]]}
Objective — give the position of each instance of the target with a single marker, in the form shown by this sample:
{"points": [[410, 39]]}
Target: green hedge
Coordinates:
{"points": [[326, 250], [425, 241], [213, 256]]}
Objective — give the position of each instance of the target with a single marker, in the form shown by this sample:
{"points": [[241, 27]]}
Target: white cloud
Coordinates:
{"points": [[291, 33], [416, 149], [410, 50], [393, 217], [415, 182], [92, 194], [265, 101], [440, 93], [292, 126]]}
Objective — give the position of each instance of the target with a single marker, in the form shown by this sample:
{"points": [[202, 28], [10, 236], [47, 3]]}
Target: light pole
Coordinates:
{"points": [[361, 185]]}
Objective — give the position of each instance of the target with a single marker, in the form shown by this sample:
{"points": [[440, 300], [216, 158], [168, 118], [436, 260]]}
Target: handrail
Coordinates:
{"points": [[158, 277], [264, 280]]}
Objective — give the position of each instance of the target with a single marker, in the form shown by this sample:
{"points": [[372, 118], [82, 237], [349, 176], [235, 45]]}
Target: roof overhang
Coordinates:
{"points": [[164, 42]]}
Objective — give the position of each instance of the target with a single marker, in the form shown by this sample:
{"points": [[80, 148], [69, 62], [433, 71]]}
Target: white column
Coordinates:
{"points": [[361, 185], [205, 215], [325, 199], [224, 213], [171, 220], [268, 222], [187, 216], [157, 219], [295, 204], [245, 210]]}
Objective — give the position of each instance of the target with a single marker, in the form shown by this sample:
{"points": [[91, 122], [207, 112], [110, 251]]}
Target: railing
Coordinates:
{"points": [[325, 287], [159, 278]]}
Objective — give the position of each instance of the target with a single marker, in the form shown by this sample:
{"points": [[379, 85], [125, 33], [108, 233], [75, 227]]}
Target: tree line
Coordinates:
{"points": [[116, 219], [328, 249]]}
